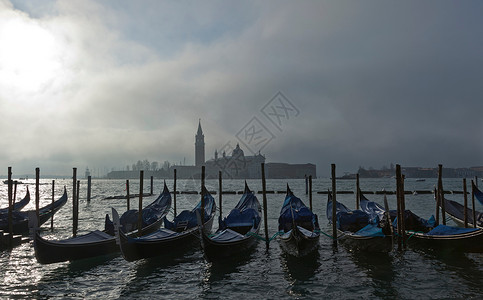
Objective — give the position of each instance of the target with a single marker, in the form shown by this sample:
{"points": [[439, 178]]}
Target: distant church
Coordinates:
{"points": [[234, 166], [199, 147], [238, 165]]}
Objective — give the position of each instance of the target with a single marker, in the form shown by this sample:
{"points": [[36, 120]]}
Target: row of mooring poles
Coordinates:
{"points": [[12, 198]]}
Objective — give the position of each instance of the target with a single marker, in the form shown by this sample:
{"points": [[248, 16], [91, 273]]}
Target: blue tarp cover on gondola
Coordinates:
{"points": [[352, 221], [245, 213], [151, 213], [448, 230], [478, 194], [246, 217], [295, 211], [347, 220], [372, 208], [370, 230], [190, 216], [414, 222]]}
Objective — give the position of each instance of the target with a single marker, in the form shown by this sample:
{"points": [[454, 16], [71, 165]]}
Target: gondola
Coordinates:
{"points": [[20, 219], [360, 230], [298, 226], [237, 233], [97, 242], [478, 194], [424, 234], [456, 211], [448, 238], [175, 238], [17, 206]]}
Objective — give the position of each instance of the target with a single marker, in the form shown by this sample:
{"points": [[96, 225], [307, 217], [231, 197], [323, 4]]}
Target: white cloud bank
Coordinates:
{"points": [[105, 83]]}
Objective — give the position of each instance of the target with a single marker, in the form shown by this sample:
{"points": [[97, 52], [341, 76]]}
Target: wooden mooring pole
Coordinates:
{"points": [[441, 193], [10, 207], [74, 202], [14, 192], [151, 193], [310, 192], [128, 197], [403, 213], [306, 185], [358, 192], [202, 196], [89, 182], [77, 203], [140, 209], [465, 197], [473, 202], [399, 212], [264, 191], [436, 197], [52, 206], [37, 195], [174, 193], [334, 206], [220, 190]]}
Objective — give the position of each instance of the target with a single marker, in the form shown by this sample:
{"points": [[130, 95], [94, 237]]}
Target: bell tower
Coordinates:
{"points": [[199, 147]]}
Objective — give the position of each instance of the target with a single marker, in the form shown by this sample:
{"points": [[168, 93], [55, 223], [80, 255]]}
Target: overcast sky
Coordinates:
{"points": [[102, 84]]}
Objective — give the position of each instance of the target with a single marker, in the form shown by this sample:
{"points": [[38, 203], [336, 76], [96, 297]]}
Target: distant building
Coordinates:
{"points": [[237, 165], [199, 147]]}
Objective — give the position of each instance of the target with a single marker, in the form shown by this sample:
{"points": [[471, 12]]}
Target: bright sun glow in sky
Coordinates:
{"points": [[105, 83], [29, 56]]}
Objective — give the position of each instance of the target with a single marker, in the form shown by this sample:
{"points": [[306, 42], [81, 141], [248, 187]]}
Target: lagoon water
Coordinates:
{"points": [[266, 274]]}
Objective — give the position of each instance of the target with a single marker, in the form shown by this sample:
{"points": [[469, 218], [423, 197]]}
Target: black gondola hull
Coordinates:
{"points": [[215, 250], [53, 251], [45, 213], [298, 244], [366, 243], [471, 242], [48, 252], [135, 249]]}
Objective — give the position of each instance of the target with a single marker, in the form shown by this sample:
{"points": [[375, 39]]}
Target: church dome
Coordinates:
{"points": [[237, 152]]}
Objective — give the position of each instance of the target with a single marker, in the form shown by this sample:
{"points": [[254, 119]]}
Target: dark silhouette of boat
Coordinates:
{"points": [[237, 233]]}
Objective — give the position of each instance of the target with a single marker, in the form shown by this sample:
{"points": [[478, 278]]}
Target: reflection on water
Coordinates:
{"points": [[331, 273], [172, 275], [299, 271], [378, 266], [300, 268], [467, 269]]}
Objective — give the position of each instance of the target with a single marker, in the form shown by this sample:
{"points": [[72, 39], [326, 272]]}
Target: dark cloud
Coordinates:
{"points": [[375, 83]]}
